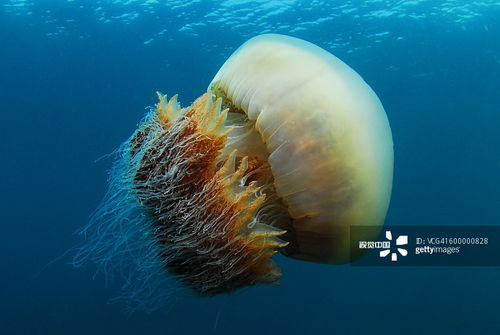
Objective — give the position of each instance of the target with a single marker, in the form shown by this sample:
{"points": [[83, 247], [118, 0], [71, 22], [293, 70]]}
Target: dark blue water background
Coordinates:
{"points": [[72, 91]]}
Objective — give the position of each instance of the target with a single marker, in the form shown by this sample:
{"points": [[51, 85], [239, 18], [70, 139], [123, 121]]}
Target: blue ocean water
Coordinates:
{"points": [[76, 77]]}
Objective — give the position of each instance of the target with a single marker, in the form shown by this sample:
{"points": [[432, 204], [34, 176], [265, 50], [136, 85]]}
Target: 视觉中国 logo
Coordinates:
{"points": [[400, 241]]}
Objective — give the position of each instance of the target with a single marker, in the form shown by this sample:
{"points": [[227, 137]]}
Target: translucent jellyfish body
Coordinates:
{"points": [[287, 149]]}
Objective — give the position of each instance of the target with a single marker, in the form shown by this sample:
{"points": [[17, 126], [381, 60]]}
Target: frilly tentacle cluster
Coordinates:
{"points": [[203, 207], [186, 205]]}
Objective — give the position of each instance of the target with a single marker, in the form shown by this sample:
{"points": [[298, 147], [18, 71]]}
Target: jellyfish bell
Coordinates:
{"points": [[327, 137], [286, 150]]}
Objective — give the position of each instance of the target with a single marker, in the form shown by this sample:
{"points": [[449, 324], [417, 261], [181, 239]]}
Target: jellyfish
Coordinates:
{"points": [[285, 151]]}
